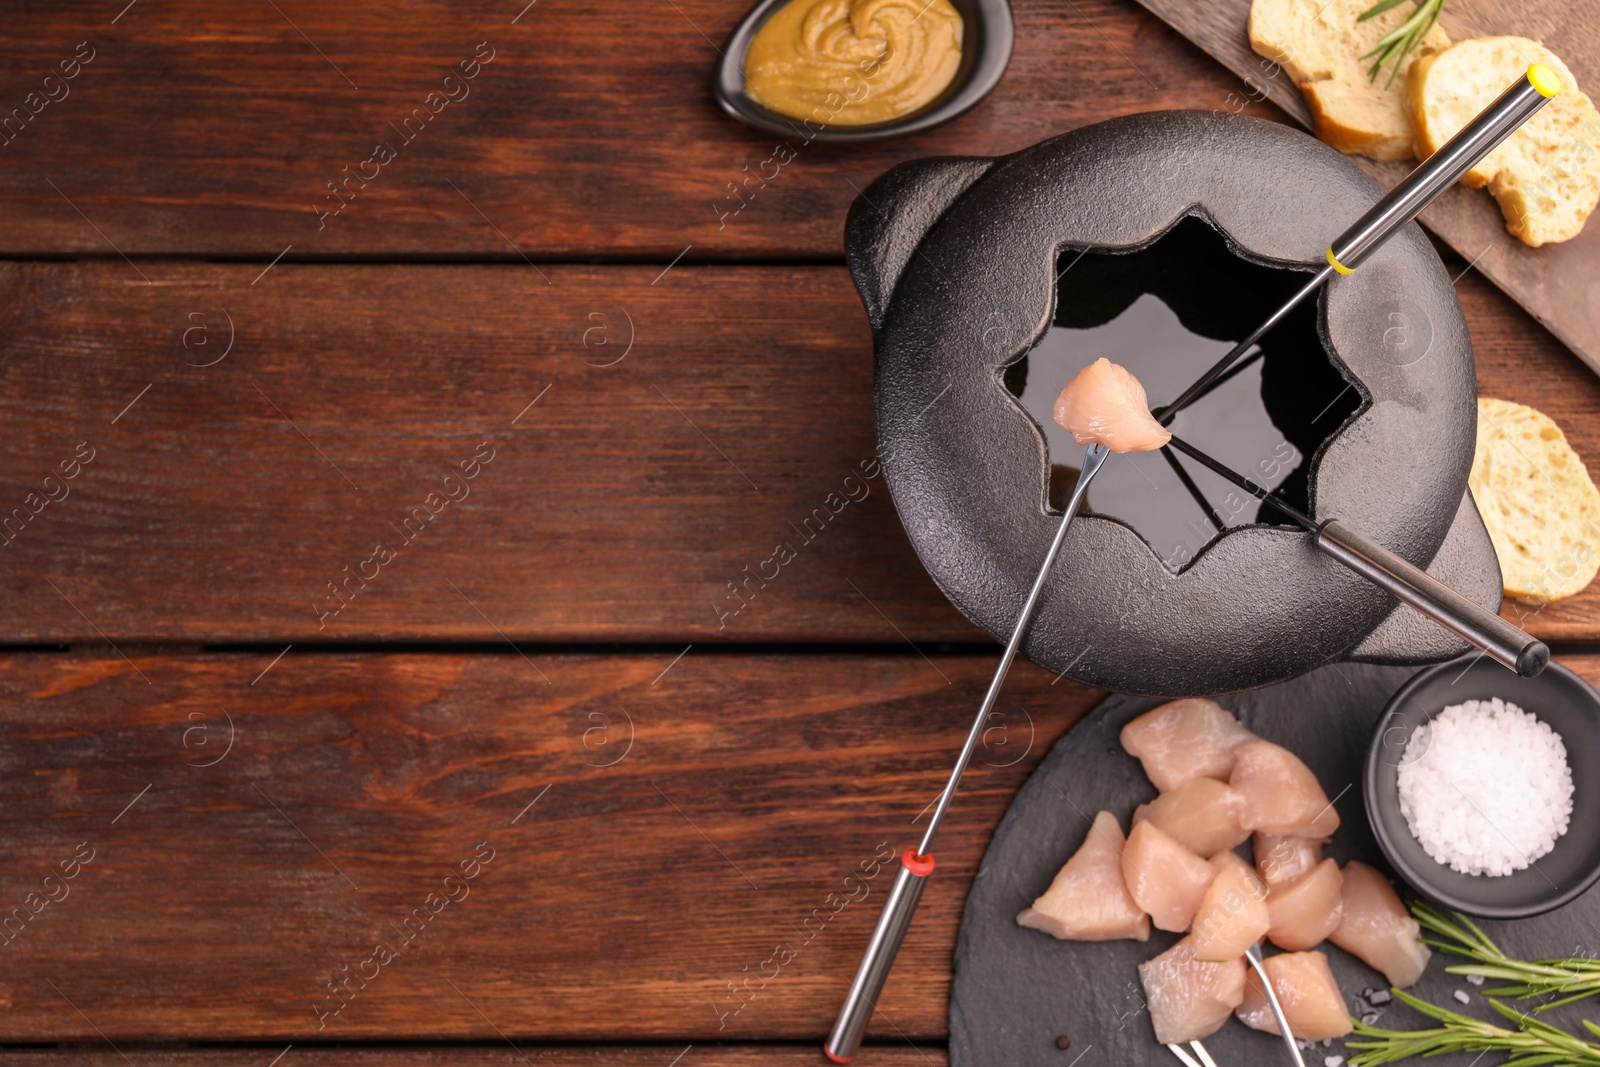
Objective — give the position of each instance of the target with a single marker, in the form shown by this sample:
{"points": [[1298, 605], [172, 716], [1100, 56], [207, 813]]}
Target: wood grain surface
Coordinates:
{"points": [[683, 869], [766, 1054], [620, 505], [1558, 284], [200, 129], [222, 500], [584, 374], [682, 826]]}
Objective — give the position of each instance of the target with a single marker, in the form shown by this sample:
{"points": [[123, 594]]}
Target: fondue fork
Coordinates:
{"points": [[1500, 640], [916, 865], [1404, 202], [1204, 1057], [1253, 956]]}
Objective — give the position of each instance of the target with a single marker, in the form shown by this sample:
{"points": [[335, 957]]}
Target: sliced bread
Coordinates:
{"points": [[1546, 176], [1536, 498], [1320, 43]]}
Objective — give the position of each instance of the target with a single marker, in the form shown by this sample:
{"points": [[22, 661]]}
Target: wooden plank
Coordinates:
{"points": [[628, 891], [219, 900], [1555, 283], [592, 129], [766, 1054], [217, 506], [628, 502]]}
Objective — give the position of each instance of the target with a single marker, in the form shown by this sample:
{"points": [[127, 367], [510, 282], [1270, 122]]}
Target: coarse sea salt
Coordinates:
{"points": [[1485, 787]]}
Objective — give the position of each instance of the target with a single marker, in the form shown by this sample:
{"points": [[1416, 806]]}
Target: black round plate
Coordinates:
{"points": [[1558, 697], [1016, 991], [987, 33]]}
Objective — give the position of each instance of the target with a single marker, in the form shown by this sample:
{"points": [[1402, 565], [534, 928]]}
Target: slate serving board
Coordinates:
{"points": [[1558, 284], [1016, 990]]}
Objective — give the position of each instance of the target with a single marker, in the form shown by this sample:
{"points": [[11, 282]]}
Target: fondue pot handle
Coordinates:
{"points": [[1500, 640], [1444, 168]]}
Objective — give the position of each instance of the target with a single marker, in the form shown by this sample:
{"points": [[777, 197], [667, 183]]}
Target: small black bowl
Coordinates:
{"points": [[1558, 697], [987, 33]]}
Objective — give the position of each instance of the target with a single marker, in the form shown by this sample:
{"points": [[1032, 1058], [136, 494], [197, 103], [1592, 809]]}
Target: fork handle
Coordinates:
{"points": [[1501, 641], [1445, 167], [876, 961]]}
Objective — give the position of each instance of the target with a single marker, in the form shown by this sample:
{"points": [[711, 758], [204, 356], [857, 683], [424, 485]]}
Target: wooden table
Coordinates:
{"points": [[538, 357]]}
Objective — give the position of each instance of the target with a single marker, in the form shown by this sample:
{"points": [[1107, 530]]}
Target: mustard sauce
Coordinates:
{"points": [[854, 62]]}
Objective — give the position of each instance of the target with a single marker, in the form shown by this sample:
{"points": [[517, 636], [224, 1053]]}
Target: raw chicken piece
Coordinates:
{"points": [[1283, 859], [1309, 996], [1166, 880], [1202, 814], [1377, 929], [1233, 913], [1279, 793], [1188, 998], [1184, 739], [1105, 405], [1305, 911], [1087, 900]]}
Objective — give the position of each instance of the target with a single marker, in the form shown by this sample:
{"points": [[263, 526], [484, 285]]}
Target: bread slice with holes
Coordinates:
{"points": [[1536, 498], [1546, 176], [1320, 44]]}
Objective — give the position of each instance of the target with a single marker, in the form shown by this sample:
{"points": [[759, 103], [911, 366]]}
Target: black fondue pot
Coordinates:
{"points": [[956, 261]]}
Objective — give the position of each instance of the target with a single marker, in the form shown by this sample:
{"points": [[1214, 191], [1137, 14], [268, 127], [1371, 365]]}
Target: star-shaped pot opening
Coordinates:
{"points": [[1167, 312]]}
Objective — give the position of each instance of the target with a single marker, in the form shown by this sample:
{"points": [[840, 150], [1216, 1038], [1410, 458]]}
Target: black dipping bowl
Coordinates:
{"points": [[987, 31], [1558, 697]]}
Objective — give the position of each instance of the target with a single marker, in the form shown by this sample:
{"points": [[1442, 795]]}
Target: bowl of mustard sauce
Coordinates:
{"points": [[846, 71]]}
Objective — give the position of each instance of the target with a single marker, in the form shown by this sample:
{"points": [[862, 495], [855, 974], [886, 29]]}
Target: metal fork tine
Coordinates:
{"points": [[1253, 957], [1205, 1057], [1188, 1060]]}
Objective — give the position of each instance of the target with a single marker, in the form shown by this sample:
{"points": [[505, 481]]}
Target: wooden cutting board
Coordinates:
{"points": [[1558, 284]]}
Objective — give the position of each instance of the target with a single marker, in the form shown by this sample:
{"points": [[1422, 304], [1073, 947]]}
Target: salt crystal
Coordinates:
{"points": [[1380, 996], [1461, 995], [1485, 787], [1333, 1061], [1475, 979]]}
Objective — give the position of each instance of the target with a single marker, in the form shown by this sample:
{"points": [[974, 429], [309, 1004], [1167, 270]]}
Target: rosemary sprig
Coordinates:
{"points": [[1532, 1044], [1402, 40], [1564, 980]]}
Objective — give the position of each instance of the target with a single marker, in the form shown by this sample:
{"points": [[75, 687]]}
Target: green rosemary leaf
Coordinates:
{"points": [[1529, 1041], [1570, 998], [1565, 980], [1394, 71], [1472, 927], [1384, 46], [1532, 1044], [1396, 45], [1377, 9]]}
